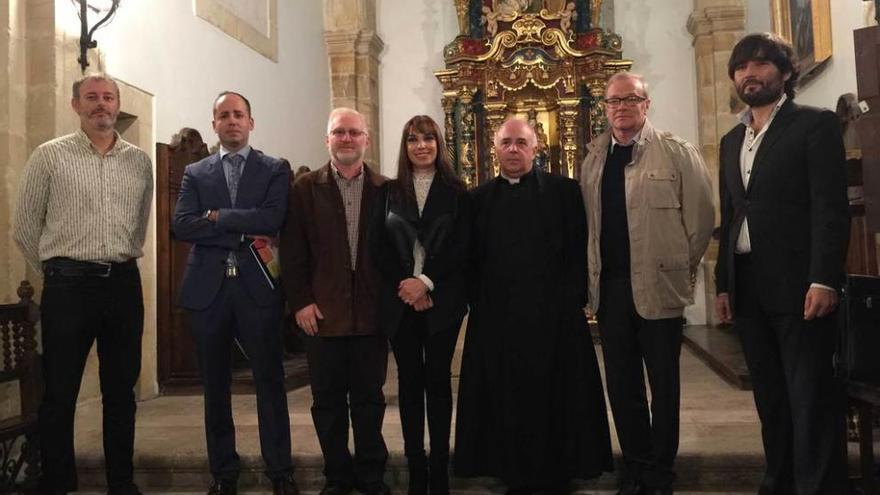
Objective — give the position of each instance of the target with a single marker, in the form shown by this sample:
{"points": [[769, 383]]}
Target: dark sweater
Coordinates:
{"points": [[614, 238]]}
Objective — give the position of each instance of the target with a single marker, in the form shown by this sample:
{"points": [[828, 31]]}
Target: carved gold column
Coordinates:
{"points": [[598, 122], [568, 116], [495, 115], [467, 145], [449, 101]]}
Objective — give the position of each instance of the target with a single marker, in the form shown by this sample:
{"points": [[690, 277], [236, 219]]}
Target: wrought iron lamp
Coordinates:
{"points": [[85, 38]]}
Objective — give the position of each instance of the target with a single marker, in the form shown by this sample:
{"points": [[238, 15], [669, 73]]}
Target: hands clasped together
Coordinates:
{"points": [[411, 291]]}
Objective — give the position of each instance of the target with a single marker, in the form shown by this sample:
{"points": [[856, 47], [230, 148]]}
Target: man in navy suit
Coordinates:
{"points": [[226, 201], [784, 234]]}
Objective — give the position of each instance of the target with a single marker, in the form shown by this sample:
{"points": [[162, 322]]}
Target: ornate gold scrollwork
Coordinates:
{"points": [[533, 64], [495, 115], [467, 144]]}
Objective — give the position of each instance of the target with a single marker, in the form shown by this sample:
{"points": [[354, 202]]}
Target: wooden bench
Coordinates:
{"points": [[19, 363]]}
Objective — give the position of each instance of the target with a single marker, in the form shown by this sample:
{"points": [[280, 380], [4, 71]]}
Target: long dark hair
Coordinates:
{"points": [[404, 183], [769, 47]]}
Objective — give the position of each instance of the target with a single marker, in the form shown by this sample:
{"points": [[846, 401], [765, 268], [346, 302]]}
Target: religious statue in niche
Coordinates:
{"points": [[507, 10], [542, 156], [511, 7]]}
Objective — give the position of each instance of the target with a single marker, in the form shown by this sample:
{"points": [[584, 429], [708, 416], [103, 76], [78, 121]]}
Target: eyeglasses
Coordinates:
{"points": [[352, 133], [629, 101]]}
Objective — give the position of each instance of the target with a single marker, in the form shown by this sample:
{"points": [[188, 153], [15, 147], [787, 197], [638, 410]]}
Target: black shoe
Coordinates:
{"points": [[285, 486], [132, 490], [224, 487], [438, 476], [336, 488], [632, 488], [378, 488], [562, 488], [659, 491], [418, 476]]}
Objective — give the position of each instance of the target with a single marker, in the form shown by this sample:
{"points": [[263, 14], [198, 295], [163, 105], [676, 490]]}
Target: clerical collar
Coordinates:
{"points": [[516, 180]]}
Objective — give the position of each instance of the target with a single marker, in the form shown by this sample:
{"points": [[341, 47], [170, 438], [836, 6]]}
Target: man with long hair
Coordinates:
{"points": [[784, 235]]}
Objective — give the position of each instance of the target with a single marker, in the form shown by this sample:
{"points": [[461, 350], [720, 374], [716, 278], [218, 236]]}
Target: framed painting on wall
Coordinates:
{"points": [[807, 25]]}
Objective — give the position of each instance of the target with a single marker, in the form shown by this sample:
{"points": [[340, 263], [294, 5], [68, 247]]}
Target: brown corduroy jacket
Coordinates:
{"points": [[315, 261]]}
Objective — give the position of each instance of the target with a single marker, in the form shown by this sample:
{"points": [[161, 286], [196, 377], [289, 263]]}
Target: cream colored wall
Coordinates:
{"points": [[655, 37], [185, 62], [415, 31], [163, 48], [838, 76]]}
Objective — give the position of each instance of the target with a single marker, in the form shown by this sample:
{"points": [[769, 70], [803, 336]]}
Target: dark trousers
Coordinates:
{"points": [[423, 370], [76, 311], [799, 401], [649, 441], [347, 375], [233, 314]]}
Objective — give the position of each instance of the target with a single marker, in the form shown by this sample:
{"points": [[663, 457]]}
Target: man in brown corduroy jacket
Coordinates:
{"points": [[330, 285]]}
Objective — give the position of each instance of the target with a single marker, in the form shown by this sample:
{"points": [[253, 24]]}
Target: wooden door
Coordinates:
{"points": [[178, 366], [867, 48]]}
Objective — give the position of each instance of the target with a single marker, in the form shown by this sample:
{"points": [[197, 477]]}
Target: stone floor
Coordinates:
{"points": [[720, 448]]}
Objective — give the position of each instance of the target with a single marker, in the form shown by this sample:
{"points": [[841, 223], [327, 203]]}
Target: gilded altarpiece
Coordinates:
{"points": [[546, 61]]}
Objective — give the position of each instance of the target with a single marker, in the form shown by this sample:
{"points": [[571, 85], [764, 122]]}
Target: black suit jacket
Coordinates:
{"points": [[260, 206], [796, 206], [443, 229]]}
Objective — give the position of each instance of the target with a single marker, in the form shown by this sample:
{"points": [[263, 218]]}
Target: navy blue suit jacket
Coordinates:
{"points": [[259, 208]]}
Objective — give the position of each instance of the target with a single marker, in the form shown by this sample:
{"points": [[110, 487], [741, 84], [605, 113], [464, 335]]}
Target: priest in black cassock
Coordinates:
{"points": [[531, 410]]}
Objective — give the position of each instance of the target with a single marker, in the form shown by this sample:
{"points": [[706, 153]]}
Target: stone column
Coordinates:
{"points": [[716, 26], [353, 49], [13, 134]]}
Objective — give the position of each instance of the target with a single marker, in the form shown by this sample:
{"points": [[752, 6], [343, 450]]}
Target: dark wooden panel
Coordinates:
{"points": [[867, 50], [177, 358], [867, 61]]}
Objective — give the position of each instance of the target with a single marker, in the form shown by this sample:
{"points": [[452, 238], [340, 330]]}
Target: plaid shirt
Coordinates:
{"points": [[351, 191]]}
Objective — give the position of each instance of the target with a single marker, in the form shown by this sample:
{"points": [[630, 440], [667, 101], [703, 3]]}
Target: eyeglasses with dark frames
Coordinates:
{"points": [[629, 101], [352, 133]]}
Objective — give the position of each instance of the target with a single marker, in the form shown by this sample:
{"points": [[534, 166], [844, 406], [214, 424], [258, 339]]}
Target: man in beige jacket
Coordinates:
{"points": [[650, 215]]}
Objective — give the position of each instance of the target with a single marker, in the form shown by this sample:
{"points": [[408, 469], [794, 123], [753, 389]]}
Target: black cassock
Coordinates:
{"points": [[531, 408]]}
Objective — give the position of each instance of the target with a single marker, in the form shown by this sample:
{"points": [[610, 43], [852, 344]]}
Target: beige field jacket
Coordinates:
{"points": [[670, 214]]}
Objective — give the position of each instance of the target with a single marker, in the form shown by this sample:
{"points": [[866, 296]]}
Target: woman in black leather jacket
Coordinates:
{"points": [[419, 235]]}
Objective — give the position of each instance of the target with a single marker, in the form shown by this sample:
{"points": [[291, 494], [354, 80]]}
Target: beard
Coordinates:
{"points": [[348, 157], [768, 92], [103, 120]]}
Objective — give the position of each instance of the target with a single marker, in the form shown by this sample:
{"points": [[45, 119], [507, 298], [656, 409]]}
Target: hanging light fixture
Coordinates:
{"points": [[107, 8]]}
